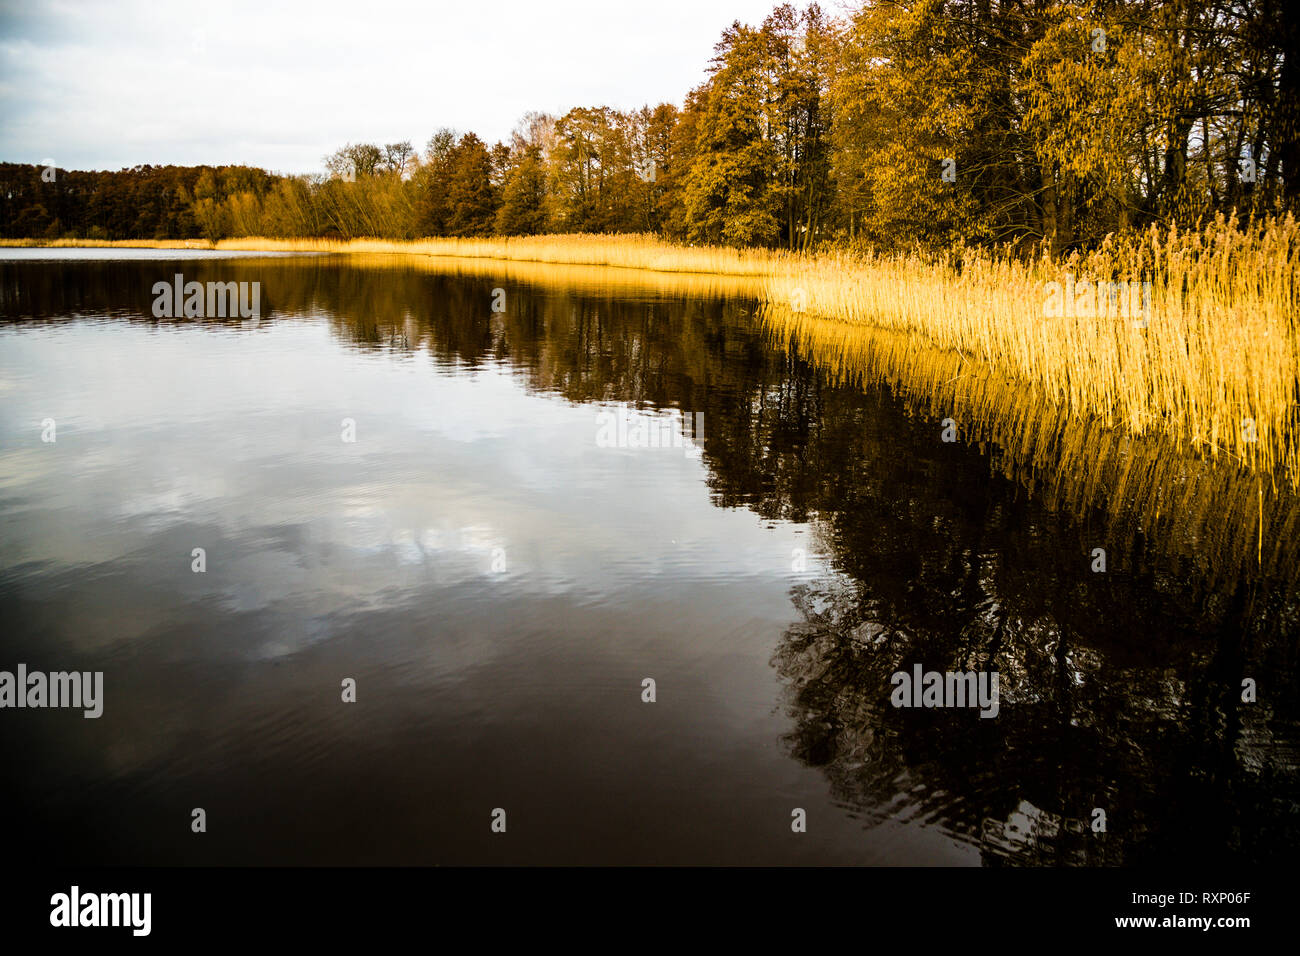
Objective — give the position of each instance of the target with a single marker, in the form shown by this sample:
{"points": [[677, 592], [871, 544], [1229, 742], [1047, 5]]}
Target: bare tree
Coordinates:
{"points": [[354, 161], [440, 145], [398, 157]]}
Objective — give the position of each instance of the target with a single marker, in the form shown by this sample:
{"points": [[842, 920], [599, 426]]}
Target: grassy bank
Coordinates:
{"points": [[623, 251], [1199, 344]]}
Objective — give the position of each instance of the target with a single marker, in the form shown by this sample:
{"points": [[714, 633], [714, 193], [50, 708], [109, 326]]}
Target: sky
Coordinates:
{"points": [[105, 85]]}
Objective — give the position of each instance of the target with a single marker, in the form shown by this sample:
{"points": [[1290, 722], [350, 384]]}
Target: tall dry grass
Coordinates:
{"points": [[105, 244], [1215, 365], [621, 251]]}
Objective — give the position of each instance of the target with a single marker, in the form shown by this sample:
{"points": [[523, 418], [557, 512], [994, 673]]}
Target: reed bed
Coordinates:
{"points": [[589, 279], [1214, 363], [105, 244], [621, 251]]}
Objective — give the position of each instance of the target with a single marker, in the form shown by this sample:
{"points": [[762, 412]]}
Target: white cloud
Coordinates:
{"points": [[97, 86]]}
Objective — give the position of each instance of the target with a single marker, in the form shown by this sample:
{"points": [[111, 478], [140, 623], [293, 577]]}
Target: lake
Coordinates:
{"points": [[475, 564]]}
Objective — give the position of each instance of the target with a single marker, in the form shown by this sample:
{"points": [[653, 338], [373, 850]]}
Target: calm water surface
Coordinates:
{"points": [[499, 586]]}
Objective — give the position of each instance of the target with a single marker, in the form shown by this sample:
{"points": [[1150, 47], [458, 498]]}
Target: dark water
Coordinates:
{"points": [[499, 585]]}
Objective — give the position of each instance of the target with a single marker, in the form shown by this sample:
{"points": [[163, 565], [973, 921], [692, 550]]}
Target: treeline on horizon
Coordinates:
{"points": [[902, 124]]}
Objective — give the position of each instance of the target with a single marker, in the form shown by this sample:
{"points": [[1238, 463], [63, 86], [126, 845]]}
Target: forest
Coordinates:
{"points": [[902, 124]]}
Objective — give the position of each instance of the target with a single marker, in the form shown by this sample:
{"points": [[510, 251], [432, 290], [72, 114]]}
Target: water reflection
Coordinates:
{"points": [[876, 547]]}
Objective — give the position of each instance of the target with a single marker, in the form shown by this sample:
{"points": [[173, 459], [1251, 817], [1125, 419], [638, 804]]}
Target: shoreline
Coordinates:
{"points": [[1212, 362]]}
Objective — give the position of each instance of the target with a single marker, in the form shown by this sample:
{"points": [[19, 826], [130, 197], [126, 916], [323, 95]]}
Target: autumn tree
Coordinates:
{"points": [[730, 190], [523, 195], [471, 198]]}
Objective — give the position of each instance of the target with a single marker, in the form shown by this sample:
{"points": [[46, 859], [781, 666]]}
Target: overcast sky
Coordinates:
{"points": [[103, 85]]}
